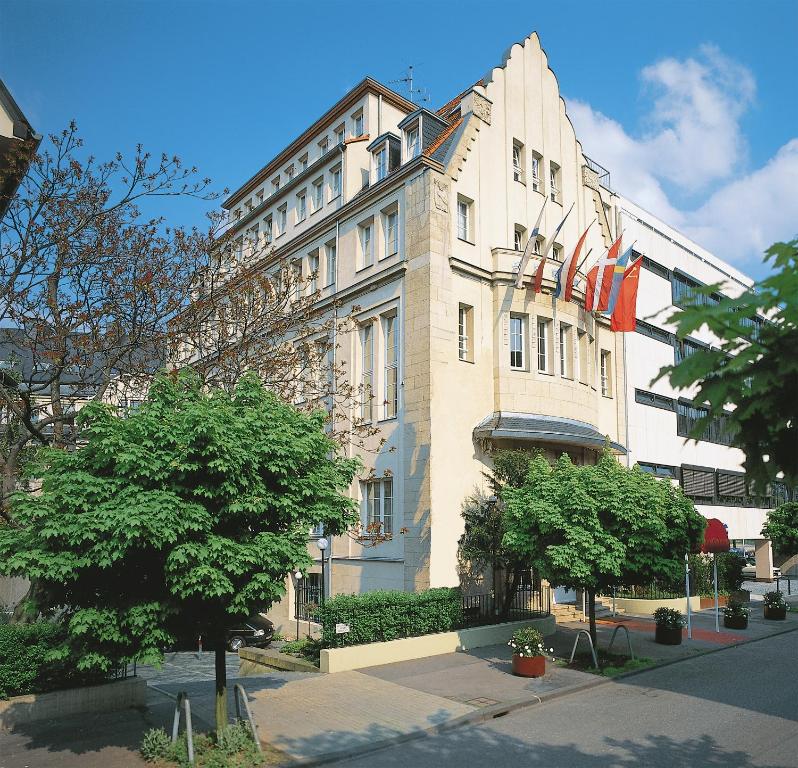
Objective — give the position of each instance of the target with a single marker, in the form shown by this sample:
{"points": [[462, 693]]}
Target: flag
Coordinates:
{"points": [[590, 288], [605, 273], [530, 246], [565, 286], [617, 278], [549, 243], [624, 316]]}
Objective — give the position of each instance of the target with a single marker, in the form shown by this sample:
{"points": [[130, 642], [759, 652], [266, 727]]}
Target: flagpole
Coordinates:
{"points": [[519, 278]]}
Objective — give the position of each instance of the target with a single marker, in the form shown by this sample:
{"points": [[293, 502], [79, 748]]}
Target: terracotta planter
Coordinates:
{"points": [[529, 666], [775, 614], [668, 635], [735, 622], [709, 602]]}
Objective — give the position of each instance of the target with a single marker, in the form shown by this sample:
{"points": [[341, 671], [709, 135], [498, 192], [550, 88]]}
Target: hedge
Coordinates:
{"points": [[389, 615], [24, 664]]}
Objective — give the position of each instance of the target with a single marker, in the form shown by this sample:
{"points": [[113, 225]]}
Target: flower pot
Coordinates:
{"points": [[668, 635], [529, 666], [735, 622], [776, 614]]}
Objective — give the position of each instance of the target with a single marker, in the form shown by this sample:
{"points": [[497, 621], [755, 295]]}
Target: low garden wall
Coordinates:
{"points": [[106, 697], [405, 649], [646, 606], [252, 661]]}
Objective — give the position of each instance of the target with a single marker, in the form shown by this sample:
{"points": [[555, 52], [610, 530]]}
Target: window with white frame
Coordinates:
{"points": [[303, 162], [413, 142], [317, 200], [554, 182], [465, 332], [296, 276], [566, 353], [357, 123], [537, 246], [544, 343], [340, 134], [367, 372], [335, 182], [556, 252], [366, 237], [248, 205], [324, 145], [282, 219], [390, 229], [378, 505], [606, 373], [267, 230], [391, 344], [275, 185], [238, 250], [518, 161], [518, 341], [381, 163], [330, 254], [464, 218], [537, 183], [313, 270], [259, 197], [301, 206], [582, 357], [252, 239], [289, 172], [519, 237]]}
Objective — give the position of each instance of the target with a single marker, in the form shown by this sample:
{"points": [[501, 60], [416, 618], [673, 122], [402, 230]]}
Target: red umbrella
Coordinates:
{"points": [[716, 539]]}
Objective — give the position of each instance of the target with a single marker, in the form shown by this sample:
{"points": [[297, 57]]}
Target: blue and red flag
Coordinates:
{"points": [[617, 278]]}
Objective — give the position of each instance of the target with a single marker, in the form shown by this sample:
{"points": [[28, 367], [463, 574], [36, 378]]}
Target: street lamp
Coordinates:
{"points": [[322, 544]]}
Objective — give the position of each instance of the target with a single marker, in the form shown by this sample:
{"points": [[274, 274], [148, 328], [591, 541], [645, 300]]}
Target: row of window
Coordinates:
{"points": [[682, 348], [687, 417], [519, 165], [388, 327]]}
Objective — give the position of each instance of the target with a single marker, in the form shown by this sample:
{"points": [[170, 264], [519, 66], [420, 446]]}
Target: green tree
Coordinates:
{"points": [[782, 528], [186, 516], [596, 526], [482, 543], [754, 366]]}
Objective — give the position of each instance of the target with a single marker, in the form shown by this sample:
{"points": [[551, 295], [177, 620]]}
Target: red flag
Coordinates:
{"points": [[590, 290], [624, 316], [606, 277], [569, 280], [539, 276]]}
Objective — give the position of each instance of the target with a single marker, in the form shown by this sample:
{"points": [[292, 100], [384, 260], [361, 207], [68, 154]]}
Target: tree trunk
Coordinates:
{"points": [[512, 583], [221, 685], [591, 609]]}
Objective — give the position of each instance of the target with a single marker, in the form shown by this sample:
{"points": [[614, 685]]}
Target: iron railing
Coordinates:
{"points": [[307, 596]]}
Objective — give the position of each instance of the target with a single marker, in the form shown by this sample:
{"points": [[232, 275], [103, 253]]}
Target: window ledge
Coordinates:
{"points": [[466, 360], [364, 268], [463, 240], [387, 419]]}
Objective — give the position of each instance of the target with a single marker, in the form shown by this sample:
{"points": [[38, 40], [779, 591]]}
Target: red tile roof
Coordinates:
{"points": [[445, 134]]}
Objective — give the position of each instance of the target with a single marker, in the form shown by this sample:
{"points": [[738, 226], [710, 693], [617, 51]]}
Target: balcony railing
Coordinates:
{"points": [[601, 171]]}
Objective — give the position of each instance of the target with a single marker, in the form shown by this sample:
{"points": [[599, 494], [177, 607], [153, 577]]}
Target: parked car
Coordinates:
{"points": [[256, 631], [749, 571]]}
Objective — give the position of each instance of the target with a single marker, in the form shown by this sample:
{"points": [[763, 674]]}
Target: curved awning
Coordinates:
{"points": [[534, 427]]}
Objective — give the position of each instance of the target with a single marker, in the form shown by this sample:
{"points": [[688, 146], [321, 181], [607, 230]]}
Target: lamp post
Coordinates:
{"points": [[322, 544]]}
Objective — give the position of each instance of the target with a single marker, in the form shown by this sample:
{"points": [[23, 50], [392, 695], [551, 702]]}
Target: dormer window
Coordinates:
{"points": [[385, 151], [381, 163], [413, 142], [357, 123]]}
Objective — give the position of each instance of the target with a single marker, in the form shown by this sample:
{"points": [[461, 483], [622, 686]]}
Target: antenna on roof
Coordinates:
{"points": [[417, 95]]}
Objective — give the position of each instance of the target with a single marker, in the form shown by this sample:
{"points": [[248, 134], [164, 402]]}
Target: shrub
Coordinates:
{"points": [[155, 745], [304, 648], [528, 642], [775, 599], [385, 615], [669, 617], [235, 738], [735, 609]]}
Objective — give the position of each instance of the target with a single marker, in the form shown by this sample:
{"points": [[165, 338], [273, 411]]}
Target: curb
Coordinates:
{"points": [[495, 711]]}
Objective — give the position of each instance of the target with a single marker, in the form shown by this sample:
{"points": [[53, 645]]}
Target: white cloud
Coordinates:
{"points": [[692, 143]]}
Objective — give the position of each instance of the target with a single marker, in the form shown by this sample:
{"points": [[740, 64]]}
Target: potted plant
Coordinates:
{"points": [[529, 658], [735, 615], [775, 606], [669, 626]]}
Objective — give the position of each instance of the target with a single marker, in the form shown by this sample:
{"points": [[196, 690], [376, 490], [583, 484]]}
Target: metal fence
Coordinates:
{"points": [[652, 592], [307, 597]]}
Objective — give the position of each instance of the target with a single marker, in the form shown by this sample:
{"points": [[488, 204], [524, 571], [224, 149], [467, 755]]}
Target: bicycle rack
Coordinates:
{"points": [[241, 695], [182, 698], [628, 640], [590, 642]]}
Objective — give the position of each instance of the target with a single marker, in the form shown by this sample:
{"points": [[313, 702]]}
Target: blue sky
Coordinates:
{"points": [[692, 105]]}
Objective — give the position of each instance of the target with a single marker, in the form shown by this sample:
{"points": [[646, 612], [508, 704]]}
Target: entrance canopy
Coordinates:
{"points": [[537, 428]]}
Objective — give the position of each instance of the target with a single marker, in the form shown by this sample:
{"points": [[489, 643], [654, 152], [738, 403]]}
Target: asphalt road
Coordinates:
{"points": [[732, 709]]}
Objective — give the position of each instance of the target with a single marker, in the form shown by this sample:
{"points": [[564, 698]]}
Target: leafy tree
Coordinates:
{"points": [[186, 516], [782, 528], [754, 367], [596, 526], [482, 543]]}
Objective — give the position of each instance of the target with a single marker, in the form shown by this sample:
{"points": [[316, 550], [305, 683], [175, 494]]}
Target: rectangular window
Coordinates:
{"points": [[518, 161], [252, 239], [330, 253], [582, 357], [391, 366], [566, 353], [313, 269], [324, 145], [556, 252], [248, 206], [660, 470], [259, 197], [335, 182], [303, 163], [390, 228], [378, 506], [517, 342], [413, 144], [536, 181], [366, 245], [340, 134], [381, 163], [275, 185], [367, 372], [654, 400], [357, 124], [318, 194], [289, 172], [606, 373], [267, 230], [282, 219], [544, 334], [463, 218], [698, 483], [465, 332], [301, 206], [554, 182], [537, 246], [518, 238], [296, 276]]}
